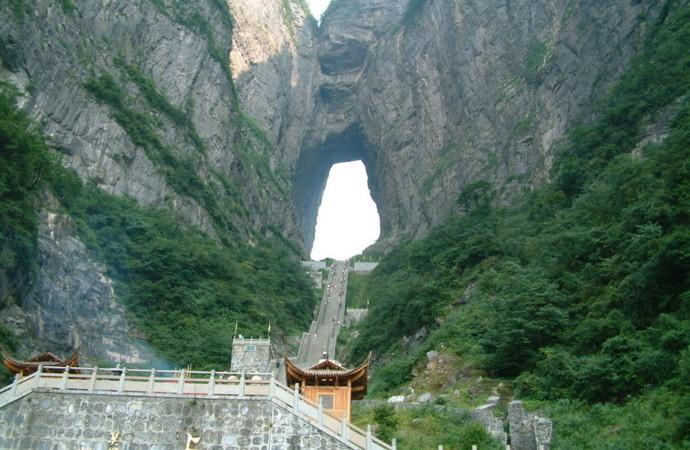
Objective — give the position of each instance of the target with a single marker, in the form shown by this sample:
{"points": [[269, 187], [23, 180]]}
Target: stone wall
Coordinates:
{"points": [[251, 355], [54, 421], [528, 431]]}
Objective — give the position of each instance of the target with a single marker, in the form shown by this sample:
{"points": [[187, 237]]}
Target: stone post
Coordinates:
{"points": [[152, 381], [543, 430], [39, 372], [15, 383], [242, 383], [63, 383], [368, 437], [121, 384], [92, 382], [295, 400], [521, 429], [212, 383], [394, 444], [320, 414], [343, 429]]}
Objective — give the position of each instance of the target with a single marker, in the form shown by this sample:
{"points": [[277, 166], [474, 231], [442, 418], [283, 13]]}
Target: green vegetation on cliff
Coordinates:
{"points": [[424, 427], [581, 291], [184, 290], [25, 165]]}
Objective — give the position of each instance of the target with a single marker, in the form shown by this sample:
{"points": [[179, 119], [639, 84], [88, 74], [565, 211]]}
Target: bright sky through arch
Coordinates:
{"points": [[348, 220], [317, 7]]}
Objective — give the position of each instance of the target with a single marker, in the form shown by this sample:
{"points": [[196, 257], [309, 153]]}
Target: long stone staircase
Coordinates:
{"points": [[323, 332]]}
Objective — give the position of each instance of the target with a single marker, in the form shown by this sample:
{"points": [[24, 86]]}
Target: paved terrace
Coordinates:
{"points": [[188, 384]]}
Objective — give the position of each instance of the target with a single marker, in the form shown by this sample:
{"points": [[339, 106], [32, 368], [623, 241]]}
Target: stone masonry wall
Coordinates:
{"points": [[54, 421], [251, 355]]}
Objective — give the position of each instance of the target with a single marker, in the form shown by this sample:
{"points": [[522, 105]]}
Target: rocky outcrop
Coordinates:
{"points": [[274, 66], [436, 98], [432, 98], [528, 431], [72, 303], [179, 124], [52, 52]]}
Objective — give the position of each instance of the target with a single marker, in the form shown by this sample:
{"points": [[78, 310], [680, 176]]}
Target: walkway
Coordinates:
{"points": [[323, 332]]}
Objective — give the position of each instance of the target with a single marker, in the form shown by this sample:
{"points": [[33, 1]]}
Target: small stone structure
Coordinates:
{"points": [[251, 355], [355, 315], [48, 420], [314, 265], [493, 424], [361, 266], [528, 431]]}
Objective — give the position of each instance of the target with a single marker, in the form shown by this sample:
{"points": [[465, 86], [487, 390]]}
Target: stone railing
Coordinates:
{"points": [[188, 383]]}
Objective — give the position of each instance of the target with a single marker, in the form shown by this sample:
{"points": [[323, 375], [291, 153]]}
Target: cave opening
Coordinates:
{"points": [[348, 219]]}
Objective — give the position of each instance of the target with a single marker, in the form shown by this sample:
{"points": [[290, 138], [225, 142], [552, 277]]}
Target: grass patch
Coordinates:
{"points": [[160, 103], [424, 427]]}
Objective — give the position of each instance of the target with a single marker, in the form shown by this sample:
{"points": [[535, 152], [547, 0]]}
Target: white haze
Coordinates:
{"points": [[318, 7]]}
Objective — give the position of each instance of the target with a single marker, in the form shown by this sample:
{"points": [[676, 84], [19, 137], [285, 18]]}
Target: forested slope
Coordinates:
{"points": [[579, 293], [184, 290]]}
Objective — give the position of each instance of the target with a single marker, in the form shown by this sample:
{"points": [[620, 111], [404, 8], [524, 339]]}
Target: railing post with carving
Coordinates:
{"points": [[212, 383], [121, 384], [242, 383], [15, 383], [295, 400], [39, 372], [152, 381], [92, 382], [272, 387], [63, 383], [180, 383]]}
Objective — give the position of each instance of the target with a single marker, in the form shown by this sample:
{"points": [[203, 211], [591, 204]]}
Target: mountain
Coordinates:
{"points": [[193, 143]]}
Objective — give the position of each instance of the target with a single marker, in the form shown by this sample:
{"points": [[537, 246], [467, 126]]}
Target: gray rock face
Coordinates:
{"points": [[274, 66], [463, 91], [50, 53], [72, 302], [493, 424], [54, 52]]}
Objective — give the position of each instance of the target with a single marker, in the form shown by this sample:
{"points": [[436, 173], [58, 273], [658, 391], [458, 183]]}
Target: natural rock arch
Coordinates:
{"points": [[312, 172]]}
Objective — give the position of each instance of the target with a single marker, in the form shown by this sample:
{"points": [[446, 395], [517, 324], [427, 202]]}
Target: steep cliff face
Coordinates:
{"points": [[234, 122], [138, 98], [274, 67], [442, 94], [169, 67], [72, 302]]}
